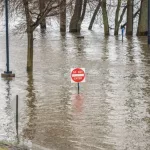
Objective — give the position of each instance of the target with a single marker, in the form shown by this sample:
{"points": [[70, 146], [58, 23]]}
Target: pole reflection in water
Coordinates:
{"points": [[78, 101], [8, 99], [9, 124], [8, 89]]}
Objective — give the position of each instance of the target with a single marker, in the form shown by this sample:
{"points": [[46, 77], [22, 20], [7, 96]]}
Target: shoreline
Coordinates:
{"points": [[11, 146]]}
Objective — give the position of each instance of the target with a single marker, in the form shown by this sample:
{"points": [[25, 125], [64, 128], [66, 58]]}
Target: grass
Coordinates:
{"points": [[10, 146], [3, 149]]}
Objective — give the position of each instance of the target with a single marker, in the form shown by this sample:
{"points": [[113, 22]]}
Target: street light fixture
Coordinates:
{"points": [[7, 73]]}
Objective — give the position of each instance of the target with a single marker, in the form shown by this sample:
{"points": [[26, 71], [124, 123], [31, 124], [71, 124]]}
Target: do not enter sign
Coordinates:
{"points": [[77, 75]]}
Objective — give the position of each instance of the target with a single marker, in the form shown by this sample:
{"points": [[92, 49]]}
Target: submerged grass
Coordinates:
{"points": [[10, 146]]}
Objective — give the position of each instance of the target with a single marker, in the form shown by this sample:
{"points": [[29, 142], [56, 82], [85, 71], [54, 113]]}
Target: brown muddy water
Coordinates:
{"points": [[112, 111]]}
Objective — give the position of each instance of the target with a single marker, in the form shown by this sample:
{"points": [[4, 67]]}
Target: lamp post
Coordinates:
{"points": [[7, 73], [148, 22]]}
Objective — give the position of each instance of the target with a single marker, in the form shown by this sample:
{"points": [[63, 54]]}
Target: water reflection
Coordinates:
{"points": [[130, 52], [105, 50], [30, 129], [145, 75], [78, 101], [8, 96], [114, 112], [53, 129], [145, 53], [92, 125], [49, 122], [7, 126]]}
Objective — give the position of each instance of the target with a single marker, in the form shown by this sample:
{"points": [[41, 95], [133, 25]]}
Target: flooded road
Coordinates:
{"points": [[112, 111]]}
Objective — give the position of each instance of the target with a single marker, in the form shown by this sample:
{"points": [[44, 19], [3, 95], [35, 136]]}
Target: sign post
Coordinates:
{"points": [[78, 88], [7, 73], [122, 31], [77, 76], [148, 22]]}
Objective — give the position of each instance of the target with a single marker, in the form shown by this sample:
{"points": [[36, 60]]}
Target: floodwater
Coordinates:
{"points": [[112, 111]]}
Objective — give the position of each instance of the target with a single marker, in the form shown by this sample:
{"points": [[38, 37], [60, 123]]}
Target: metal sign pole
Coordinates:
{"points": [[122, 32], [148, 22], [17, 115], [7, 36], [78, 88], [7, 73]]}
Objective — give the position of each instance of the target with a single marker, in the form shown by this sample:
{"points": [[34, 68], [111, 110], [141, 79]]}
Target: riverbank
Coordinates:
{"points": [[10, 146]]}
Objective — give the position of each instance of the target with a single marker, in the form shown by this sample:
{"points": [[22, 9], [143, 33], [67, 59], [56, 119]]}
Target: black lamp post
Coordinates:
{"points": [[148, 22], [7, 73]]}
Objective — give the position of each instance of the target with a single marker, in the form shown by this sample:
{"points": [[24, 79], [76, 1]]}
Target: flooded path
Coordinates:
{"points": [[111, 113]]}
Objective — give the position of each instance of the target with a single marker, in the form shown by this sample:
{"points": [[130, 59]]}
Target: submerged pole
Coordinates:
{"points": [[7, 73], [148, 22], [122, 31], [17, 127], [7, 36], [78, 88]]}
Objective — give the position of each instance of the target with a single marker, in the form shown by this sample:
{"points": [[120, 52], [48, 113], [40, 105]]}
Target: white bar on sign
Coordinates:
{"points": [[77, 75]]}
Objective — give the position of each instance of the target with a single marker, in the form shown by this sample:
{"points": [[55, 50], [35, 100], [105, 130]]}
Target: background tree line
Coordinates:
{"points": [[120, 12]]}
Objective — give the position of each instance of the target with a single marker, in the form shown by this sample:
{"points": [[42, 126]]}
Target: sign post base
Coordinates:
{"points": [[7, 74]]}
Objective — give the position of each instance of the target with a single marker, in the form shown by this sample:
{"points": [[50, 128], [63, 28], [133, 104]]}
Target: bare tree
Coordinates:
{"points": [[117, 19], [94, 15], [129, 29], [105, 17], [143, 19], [42, 7], [83, 14], [74, 27], [34, 18], [63, 17], [78, 16]]}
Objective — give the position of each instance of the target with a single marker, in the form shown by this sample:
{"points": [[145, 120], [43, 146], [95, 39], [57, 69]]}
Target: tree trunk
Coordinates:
{"points": [[30, 50], [105, 18], [116, 18], [129, 29], [134, 16], [82, 15], [63, 17], [143, 19], [42, 8], [94, 15], [76, 17], [29, 36], [33, 20]]}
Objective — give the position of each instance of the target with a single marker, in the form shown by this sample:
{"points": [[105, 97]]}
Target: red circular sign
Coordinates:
{"points": [[78, 75]]}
